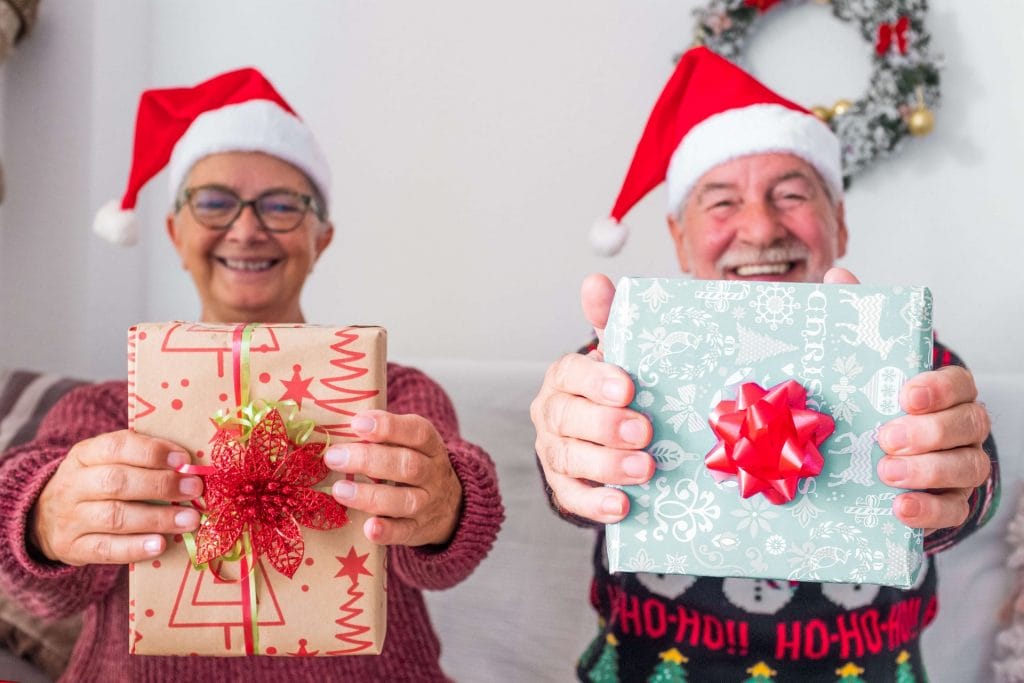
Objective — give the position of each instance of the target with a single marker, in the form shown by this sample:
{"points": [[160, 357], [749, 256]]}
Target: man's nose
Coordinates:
{"points": [[758, 223]]}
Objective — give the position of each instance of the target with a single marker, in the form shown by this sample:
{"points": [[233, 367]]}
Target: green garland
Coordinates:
{"points": [[904, 85]]}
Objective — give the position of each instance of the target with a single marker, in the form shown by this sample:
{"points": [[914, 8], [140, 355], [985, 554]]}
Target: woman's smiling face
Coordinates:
{"points": [[245, 273]]}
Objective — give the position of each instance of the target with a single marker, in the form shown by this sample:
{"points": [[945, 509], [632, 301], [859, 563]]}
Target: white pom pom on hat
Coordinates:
{"points": [[237, 111], [712, 111]]}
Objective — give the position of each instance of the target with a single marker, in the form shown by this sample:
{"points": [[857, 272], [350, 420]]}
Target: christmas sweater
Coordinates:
{"points": [[53, 590], [655, 628]]}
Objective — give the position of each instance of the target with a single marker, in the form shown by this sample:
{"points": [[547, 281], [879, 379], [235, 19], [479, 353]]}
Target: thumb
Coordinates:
{"points": [[840, 276], [596, 296]]}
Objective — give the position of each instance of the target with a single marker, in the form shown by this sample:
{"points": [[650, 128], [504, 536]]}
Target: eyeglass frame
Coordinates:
{"points": [[309, 202]]}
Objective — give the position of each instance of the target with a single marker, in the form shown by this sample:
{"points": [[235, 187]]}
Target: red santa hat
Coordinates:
{"points": [[711, 111], [238, 111]]}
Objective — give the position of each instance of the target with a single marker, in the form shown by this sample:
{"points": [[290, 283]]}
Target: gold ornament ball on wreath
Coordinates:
{"points": [[823, 113], [921, 121], [841, 107]]}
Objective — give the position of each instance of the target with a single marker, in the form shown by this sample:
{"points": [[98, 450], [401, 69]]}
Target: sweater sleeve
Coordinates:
{"points": [[984, 500], [52, 589], [438, 567]]}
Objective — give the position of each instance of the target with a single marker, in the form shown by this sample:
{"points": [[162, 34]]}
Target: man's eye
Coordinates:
{"points": [[723, 204]]}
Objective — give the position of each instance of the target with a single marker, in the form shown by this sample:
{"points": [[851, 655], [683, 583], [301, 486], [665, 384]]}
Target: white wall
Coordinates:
{"points": [[473, 143]]}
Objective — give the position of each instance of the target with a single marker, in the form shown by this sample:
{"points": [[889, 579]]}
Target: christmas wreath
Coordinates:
{"points": [[904, 85]]}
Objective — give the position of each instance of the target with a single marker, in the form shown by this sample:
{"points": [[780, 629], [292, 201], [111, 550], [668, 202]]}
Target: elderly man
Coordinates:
{"points": [[755, 193]]}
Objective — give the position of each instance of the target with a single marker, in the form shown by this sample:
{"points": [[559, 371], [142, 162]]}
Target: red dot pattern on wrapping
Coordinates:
{"points": [[271, 650], [184, 382], [156, 564], [150, 613], [264, 377], [178, 538], [223, 397], [164, 385], [176, 404], [309, 561], [305, 588], [142, 335]]}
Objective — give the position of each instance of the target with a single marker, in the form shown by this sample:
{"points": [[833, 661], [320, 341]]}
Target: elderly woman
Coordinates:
{"points": [[249, 222]]}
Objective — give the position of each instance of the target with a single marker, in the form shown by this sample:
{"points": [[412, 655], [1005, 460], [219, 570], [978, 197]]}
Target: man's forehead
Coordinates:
{"points": [[766, 166]]}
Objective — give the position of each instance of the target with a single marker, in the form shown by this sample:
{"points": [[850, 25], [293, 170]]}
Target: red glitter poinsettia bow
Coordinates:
{"points": [[263, 487], [768, 440], [888, 33]]}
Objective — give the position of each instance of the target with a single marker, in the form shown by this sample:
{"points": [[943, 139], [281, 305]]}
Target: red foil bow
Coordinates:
{"points": [[768, 440], [889, 33], [263, 486]]}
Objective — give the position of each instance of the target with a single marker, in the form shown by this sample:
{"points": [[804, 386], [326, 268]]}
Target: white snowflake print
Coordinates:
{"points": [[675, 564], [913, 358], [888, 528], [641, 562], [739, 313], [682, 408], [755, 515], [774, 305], [654, 296], [775, 544], [645, 399]]}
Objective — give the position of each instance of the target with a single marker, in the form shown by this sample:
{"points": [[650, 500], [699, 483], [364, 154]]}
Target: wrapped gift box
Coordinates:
{"points": [[185, 380], [691, 344]]}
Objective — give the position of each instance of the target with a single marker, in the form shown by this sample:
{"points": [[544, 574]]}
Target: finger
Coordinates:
{"points": [[387, 531], [118, 517], [381, 461], [586, 376], [965, 468], [125, 482], [129, 448], [932, 510], [413, 431], [963, 425], [583, 460], [596, 294], [380, 499], [579, 418], [598, 503], [114, 549], [840, 276], [937, 390]]}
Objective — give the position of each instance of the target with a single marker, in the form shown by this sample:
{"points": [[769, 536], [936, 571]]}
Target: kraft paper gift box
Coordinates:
{"points": [[689, 345], [187, 382]]}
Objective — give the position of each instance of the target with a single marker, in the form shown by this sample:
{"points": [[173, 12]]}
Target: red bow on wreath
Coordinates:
{"points": [[768, 440], [761, 5], [887, 33], [264, 486]]}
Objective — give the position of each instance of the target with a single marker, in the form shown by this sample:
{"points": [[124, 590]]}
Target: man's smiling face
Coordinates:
{"points": [[760, 217]]}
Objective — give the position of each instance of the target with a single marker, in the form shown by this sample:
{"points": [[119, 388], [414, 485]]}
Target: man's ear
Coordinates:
{"points": [[842, 235], [676, 231]]}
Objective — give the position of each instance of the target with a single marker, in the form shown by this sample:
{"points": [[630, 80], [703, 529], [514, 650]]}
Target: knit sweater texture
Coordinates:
{"points": [[411, 649]]}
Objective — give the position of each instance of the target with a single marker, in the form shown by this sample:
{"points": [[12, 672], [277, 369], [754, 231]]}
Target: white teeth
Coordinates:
{"points": [[235, 264], [762, 269]]}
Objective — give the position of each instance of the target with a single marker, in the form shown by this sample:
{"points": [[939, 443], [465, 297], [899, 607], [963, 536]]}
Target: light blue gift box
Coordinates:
{"points": [[688, 344]]}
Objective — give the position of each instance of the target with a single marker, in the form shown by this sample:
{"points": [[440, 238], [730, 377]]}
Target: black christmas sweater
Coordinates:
{"points": [[663, 628]]}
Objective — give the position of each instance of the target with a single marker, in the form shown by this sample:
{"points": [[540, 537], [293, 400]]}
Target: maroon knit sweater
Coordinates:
{"points": [[411, 649]]}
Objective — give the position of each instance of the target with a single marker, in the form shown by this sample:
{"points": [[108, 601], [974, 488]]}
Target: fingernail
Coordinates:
{"points": [[363, 424], [336, 457], [893, 437], [612, 505], [190, 486], [909, 506], [614, 390], [186, 519], [344, 489], [633, 431], [894, 470], [372, 529], [919, 398], [176, 459], [636, 465], [152, 545]]}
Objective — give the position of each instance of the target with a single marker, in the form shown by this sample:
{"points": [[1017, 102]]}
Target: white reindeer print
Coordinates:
{"points": [[868, 327], [859, 450]]}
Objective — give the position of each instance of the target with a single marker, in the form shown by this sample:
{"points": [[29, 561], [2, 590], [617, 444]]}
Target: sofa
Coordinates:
{"points": [[524, 615]]}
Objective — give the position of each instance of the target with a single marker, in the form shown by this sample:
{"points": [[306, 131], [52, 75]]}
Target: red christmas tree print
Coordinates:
{"points": [[352, 565]]}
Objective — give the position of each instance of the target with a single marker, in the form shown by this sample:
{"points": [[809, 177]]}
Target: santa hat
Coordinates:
{"points": [[710, 112], [238, 111]]}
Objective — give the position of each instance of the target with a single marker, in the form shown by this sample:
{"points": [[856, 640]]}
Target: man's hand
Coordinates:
{"points": [[586, 437], [936, 447], [421, 506], [93, 509]]}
